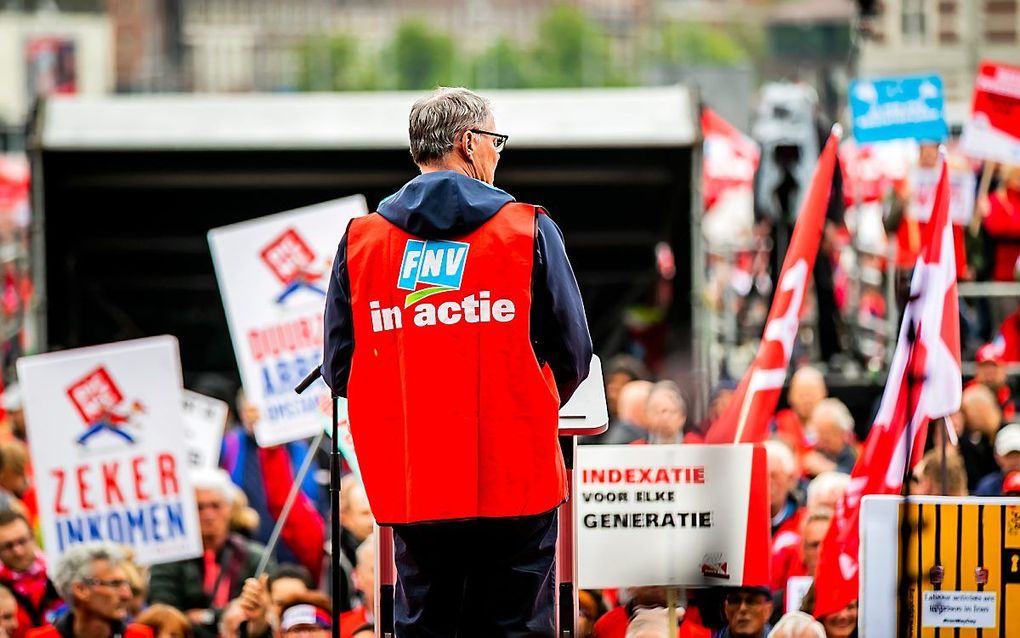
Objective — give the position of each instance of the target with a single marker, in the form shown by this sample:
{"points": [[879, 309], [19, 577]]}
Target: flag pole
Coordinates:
{"points": [[903, 619]]}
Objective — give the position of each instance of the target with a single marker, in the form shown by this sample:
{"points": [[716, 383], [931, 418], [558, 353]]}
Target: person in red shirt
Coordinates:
{"points": [[455, 328], [1002, 223], [94, 584], [23, 571], [364, 581], [807, 389], [785, 510], [991, 372]]}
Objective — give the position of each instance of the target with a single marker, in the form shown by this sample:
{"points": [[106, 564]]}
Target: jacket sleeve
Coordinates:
{"points": [[338, 327], [559, 330], [304, 529], [165, 586]]}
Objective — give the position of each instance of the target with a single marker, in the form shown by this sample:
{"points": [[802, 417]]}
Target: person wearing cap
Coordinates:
{"points": [[990, 371], [1007, 455], [747, 611], [309, 615]]}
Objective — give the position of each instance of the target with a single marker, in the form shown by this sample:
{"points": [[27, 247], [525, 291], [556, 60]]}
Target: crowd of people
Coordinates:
{"points": [[96, 590], [812, 449]]}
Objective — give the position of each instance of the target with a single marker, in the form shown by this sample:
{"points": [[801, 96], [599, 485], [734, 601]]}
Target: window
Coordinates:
{"points": [[912, 21]]}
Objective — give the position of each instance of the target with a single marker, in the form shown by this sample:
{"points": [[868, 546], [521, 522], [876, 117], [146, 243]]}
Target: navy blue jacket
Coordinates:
{"points": [[446, 204]]}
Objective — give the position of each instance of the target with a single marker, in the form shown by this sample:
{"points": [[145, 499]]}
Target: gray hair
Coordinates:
{"points": [[670, 388], [76, 565], [794, 624], [438, 118], [827, 485], [779, 453], [837, 411], [213, 479]]}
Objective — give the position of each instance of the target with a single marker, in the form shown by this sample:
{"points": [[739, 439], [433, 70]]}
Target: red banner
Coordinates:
{"points": [[747, 418], [924, 381]]}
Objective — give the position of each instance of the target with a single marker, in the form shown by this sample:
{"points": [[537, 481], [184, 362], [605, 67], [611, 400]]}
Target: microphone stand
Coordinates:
{"points": [[334, 502]]}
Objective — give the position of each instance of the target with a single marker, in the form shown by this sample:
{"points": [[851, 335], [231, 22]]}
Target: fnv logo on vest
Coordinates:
{"points": [[430, 267], [437, 264]]}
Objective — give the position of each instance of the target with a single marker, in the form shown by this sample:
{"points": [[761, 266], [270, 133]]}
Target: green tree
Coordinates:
{"points": [[572, 51], [504, 66], [687, 43], [421, 57], [329, 63]]}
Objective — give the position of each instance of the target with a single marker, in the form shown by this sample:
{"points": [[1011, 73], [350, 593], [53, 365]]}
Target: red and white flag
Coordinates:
{"points": [[929, 351], [730, 158], [747, 418]]}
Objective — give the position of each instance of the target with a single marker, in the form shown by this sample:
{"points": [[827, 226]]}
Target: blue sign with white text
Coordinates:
{"points": [[898, 108]]}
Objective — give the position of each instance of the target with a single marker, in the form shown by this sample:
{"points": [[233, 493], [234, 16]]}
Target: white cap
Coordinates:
{"points": [[11, 398], [304, 614], [1008, 439]]}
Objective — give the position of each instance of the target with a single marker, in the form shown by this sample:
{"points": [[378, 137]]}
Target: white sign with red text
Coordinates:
{"points": [[273, 273], [108, 447], [685, 515]]}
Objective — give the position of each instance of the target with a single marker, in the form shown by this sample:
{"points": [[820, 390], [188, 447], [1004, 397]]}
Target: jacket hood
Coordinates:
{"points": [[442, 204]]}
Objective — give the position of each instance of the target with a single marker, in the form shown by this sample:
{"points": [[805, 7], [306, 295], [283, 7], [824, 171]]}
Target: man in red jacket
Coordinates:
{"points": [[93, 583], [23, 571], [455, 328]]}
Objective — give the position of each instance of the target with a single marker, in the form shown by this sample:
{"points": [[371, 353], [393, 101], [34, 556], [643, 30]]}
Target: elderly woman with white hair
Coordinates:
{"points": [[202, 587]]}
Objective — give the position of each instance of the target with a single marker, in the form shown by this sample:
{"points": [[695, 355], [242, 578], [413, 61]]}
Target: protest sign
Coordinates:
{"points": [[962, 190], [107, 441], [204, 421], [909, 107], [685, 515], [993, 130], [273, 272], [969, 558]]}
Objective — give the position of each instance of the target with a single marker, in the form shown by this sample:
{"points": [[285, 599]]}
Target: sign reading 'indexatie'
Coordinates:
{"points": [[273, 273], [107, 440], [898, 108], [686, 515]]}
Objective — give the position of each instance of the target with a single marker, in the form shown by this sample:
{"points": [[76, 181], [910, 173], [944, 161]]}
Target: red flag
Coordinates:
{"points": [[747, 418], [929, 350], [730, 157]]}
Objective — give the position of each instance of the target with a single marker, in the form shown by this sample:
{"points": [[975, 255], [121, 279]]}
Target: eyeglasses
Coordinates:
{"points": [[751, 600], [499, 140], [115, 583], [17, 542]]}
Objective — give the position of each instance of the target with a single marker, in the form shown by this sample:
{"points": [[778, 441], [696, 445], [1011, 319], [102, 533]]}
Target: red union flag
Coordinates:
{"points": [[747, 418], [288, 256], [95, 394], [730, 157], [929, 351]]}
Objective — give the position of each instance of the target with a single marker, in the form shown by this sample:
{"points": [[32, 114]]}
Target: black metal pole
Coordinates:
{"points": [[334, 502], [334, 519], [904, 618]]}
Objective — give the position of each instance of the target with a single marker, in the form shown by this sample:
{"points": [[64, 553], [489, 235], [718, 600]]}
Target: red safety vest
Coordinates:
{"points": [[451, 415]]}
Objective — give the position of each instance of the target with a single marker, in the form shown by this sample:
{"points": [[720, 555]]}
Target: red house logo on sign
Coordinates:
{"points": [[290, 259], [98, 401]]}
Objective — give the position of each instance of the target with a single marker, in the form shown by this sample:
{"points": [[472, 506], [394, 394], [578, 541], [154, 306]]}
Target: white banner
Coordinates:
{"points": [[107, 441], [204, 421], [671, 515], [273, 273]]}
